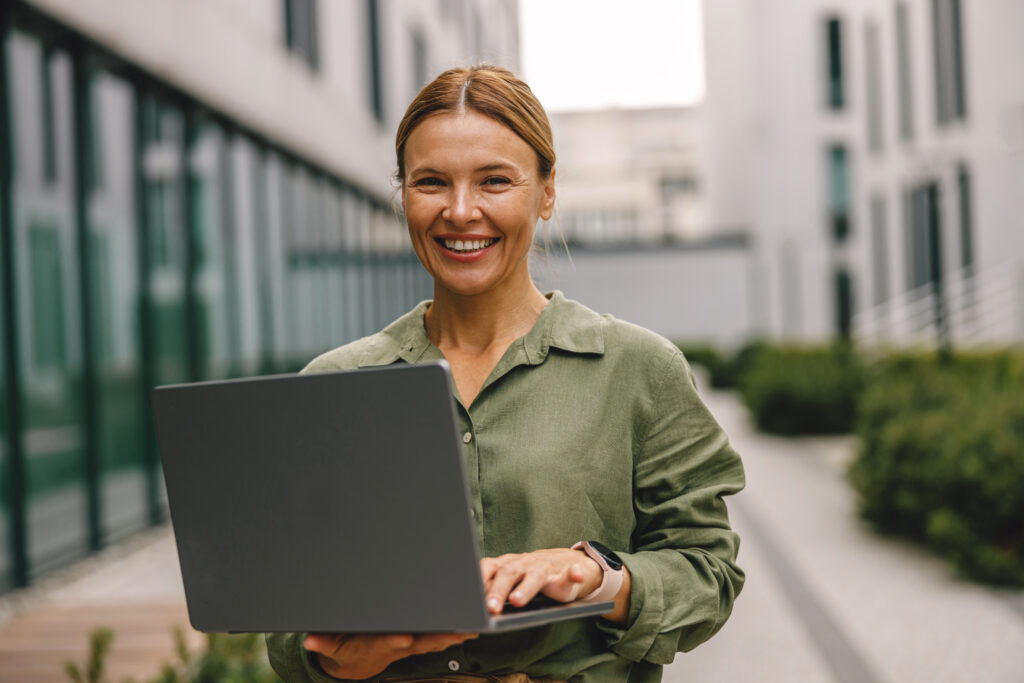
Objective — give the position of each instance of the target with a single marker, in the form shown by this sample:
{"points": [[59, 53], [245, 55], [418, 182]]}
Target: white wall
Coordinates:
{"points": [[687, 295], [767, 131]]}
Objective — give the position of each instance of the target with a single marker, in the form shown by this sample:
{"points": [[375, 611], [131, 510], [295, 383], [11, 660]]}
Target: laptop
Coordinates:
{"points": [[333, 502]]}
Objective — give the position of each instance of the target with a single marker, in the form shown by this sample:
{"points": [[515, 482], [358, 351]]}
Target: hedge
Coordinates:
{"points": [[941, 458], [802, 389]]}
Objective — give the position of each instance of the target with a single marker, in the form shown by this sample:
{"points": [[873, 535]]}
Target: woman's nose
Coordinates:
{"points": [[462, 206]]}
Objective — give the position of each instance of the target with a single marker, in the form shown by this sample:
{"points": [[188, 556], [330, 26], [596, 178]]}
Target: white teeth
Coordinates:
{"points": [[468, 245]]}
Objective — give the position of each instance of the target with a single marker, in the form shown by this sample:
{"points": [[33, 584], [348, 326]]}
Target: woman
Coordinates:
{"points": [[577, 427]]}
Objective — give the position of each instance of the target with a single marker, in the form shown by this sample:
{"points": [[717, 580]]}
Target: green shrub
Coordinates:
{"points": [[801, 390], [942, 458], [225, 659], [704, 355], [724, 369]]}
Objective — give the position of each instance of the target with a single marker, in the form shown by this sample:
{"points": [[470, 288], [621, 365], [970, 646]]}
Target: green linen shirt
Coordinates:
{"points": [[587, 428]]}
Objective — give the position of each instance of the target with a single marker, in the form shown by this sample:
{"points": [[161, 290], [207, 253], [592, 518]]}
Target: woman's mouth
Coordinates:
{"points": [[466, 246]]}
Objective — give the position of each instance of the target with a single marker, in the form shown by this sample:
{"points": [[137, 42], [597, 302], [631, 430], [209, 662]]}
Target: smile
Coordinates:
{"points": [[466, 246]]}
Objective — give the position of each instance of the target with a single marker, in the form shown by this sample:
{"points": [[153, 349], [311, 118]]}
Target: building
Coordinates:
{"points": [[189, 190], [874, 151], [629, 175]]}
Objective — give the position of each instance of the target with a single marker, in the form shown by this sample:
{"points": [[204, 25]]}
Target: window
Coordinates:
{"points": [[419, 61], [924, 232], [374, 59], [947, 38], [844, 303], [49, 116], [835, 95], [963, 185], [48, 314], [300, 30], [903, 83], [879, 250], [839, 192], [873, 90]]}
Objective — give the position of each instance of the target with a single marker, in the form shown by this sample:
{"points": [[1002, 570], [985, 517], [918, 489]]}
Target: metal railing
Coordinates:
{"points": [[970, 307]]}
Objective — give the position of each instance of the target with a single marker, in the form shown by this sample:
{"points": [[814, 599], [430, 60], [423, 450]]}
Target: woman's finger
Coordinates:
{"points": [[536, 578], [324, 643], [504, 579], [438, 642]]}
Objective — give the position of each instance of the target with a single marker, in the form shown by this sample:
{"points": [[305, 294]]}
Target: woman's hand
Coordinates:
{"points": [[360, 656], [562, 574]]}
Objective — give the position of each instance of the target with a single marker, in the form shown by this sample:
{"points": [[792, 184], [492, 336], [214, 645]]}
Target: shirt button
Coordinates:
{"points": [[453, 665], [467, 437]]}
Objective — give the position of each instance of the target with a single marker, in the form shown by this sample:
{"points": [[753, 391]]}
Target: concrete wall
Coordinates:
{"points": [[689, 295]]}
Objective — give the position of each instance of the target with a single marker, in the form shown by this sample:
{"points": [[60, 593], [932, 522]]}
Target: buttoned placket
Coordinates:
{"points": [[471, 458]]}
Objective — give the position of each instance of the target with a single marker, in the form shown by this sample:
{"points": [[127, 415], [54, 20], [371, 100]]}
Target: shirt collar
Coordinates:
{"points": [[563, 324]]}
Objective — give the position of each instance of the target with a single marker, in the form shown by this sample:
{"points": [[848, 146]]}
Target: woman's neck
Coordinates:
{"points": [[476, 324]]}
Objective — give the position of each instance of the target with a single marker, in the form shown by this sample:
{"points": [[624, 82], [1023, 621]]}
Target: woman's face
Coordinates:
{"points": [[472, 196]]}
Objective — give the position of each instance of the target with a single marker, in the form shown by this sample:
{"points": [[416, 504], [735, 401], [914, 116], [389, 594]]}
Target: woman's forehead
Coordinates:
{"points": [[465, 137]]}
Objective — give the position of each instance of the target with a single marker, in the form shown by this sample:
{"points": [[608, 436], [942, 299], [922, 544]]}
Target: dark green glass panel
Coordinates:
{"points": [[47, 301], [114, 293], [163, 194], [215, 288]]}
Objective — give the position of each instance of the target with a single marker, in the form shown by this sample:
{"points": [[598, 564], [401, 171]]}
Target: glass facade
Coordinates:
{"points": [[148, 240]]}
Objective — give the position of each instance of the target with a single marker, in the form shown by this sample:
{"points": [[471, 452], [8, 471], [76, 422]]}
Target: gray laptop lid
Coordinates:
{"points": [[326, 502]]}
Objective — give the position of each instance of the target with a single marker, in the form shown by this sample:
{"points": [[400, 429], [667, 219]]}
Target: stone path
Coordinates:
{"points": [[827, 600], [137, 592]]}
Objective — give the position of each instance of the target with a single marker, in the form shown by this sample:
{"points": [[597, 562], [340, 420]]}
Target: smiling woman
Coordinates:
{"points": [[472, 199], [595, 471]]}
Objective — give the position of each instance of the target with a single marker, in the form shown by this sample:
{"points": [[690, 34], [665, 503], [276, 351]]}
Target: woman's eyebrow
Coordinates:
{"points": [[496, 166], [417, 171]]}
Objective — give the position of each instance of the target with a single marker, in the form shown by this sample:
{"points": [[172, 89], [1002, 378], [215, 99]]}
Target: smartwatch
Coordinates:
{"points": [[612, 566]]}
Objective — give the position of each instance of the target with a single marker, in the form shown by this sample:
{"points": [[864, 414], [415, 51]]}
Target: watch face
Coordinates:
{"points": [[613, 560]]}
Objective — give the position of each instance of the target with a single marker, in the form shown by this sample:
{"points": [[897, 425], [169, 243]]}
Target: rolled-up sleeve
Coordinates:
{"points": [[683, 555]]}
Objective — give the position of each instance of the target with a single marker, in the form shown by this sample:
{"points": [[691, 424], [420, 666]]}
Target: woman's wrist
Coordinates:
{"points": [[593, 571]]}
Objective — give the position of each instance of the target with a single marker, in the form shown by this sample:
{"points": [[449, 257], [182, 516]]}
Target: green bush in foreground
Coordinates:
{"points": [[225, 659], [802, 390], [942, 459]]}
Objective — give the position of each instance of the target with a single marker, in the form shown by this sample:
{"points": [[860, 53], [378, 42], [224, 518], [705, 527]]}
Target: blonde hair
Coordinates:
{"points": [[493, 91]]}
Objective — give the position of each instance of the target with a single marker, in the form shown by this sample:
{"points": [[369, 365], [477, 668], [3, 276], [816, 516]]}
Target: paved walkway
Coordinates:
{"points": [[826, 600], [134, 589]]}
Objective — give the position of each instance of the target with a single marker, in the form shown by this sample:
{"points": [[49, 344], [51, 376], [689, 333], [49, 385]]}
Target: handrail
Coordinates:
{"points": [[979, 307]]}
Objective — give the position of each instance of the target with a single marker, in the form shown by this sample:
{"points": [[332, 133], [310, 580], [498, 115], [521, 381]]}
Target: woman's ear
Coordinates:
{"points": [[547, 206]]}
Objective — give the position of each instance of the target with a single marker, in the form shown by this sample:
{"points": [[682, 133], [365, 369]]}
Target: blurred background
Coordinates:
{"points": [[819, 200]]}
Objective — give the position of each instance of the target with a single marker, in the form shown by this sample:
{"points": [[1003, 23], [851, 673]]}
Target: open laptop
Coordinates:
{"points": [[331, 502]]}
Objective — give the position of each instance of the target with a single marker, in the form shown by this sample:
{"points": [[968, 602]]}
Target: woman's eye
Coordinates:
{"points": [[428, 182], [496, 181]]}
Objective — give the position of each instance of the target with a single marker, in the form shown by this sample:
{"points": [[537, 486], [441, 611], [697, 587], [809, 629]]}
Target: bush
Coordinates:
{"points": [[226, 658], [801, 390], [941, 459], [724, 369]]}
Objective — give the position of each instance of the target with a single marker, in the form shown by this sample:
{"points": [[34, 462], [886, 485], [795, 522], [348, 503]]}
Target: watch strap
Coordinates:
{"points": [[611, 580]]}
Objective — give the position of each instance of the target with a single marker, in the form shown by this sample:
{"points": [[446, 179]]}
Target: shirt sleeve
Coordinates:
{"points": [[683, 555]]}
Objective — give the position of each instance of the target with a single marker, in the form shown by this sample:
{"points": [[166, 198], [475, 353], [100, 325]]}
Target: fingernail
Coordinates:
{"points": [[517, 596], [492, 603]]}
